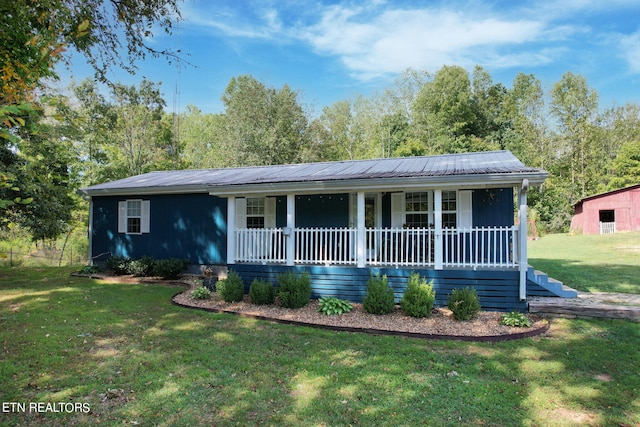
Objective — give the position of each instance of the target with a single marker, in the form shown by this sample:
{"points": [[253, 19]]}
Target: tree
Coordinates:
{"points": [[202, 136]]}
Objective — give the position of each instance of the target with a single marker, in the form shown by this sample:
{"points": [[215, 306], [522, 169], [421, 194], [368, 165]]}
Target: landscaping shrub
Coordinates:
{"points": [[333, 306], [379, 298], [119, 264], [516, 319], [231, 289], [90, 269], [261, 292], [419, 297], [169, 268], [142, 267], [294, 290], [201, 293], [464, 303]]}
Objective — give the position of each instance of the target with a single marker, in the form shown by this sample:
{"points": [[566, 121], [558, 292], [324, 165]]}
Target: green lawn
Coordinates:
{"points": [[135, 359], [594, 263]]}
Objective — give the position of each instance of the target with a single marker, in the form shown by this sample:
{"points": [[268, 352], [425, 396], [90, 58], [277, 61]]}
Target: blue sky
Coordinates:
{"points": [[335, 50]]}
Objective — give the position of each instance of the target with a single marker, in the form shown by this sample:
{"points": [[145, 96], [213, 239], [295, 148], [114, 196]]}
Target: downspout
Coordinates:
{"points": [[522, 250]]}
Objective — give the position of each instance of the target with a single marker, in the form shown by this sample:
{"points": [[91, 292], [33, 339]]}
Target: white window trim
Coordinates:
{"points": [[464, 208], [269, 213], [145, 207]]}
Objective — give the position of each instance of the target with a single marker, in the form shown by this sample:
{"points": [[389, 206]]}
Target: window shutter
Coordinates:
{"points": [[465, 211], [146, 215], [270, 212], [122, 217], [397, 210], [241, 213]]}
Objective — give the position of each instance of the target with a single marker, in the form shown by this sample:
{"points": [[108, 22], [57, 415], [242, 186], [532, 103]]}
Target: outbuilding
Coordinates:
{"points": [[610, 212]]}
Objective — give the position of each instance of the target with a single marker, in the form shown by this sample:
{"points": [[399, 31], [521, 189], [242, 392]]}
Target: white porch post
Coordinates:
{"points": [[90, 231], [437, 213], [291, 225], [522, 235], [231, 230], [361, 233]]}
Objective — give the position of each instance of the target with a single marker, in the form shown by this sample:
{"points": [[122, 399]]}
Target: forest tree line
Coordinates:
{"points": [[90, 136]]}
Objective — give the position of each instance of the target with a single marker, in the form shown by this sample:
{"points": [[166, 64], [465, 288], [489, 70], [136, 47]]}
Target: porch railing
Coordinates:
{"points": [[477, 247]]}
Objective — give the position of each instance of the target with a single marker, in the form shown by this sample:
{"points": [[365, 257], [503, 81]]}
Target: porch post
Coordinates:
{"points": [[361, 237], [437, 222], [90, 232], [522, 241], [231, 230], [291, 225]]}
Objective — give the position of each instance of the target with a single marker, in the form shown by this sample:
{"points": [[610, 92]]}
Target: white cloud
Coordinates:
{"points": [[630, 49]]}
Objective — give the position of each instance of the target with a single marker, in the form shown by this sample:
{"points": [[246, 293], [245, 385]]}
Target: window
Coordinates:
{"points": [[417, 208], [133, 216], [255, 212], [449, 209]]}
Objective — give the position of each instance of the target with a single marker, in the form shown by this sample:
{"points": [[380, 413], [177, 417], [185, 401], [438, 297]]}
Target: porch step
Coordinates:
{"points": [[553, 286]]}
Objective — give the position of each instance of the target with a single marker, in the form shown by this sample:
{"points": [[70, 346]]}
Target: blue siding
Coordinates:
{"points": [[493, 207], [498, 290], [325, 210], [191, 226]]}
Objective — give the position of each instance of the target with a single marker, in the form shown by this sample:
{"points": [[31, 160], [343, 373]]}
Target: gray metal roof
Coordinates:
{"points": [[496, 167]]}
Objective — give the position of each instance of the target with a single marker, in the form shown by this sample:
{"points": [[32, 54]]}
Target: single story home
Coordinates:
{"points": [[448, 217], [606, 213]]}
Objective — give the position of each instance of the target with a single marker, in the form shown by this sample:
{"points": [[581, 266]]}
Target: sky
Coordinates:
{"points": [[330, 51]]}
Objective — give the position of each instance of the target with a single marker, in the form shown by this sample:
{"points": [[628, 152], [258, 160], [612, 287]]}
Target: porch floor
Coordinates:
{"points": [[588, 305]]}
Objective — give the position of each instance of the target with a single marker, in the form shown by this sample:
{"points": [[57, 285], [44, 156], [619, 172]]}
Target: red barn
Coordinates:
{"points": [[617, 210]]}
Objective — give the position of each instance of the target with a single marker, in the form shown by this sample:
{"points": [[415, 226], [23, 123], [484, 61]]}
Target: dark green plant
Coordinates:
{"points": [[380, 298], [516, 319], [231, 289], [332, 306], [419, 297], [169, 268], [90, 269], [294, 291], [142, 267], [262, 292], [119, 264], [201, 293], [464, 303]]}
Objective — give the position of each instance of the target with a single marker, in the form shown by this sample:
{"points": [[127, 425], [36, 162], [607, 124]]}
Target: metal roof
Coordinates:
{"points": [[492, 167]]}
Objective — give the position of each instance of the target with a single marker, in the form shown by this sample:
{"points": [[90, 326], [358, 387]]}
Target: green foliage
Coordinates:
{"points": [[169, 268], [231, 289], [516, 319], [294, 291], [90, 269], [142, 267], [201, 293], [261, 292], [464, 303], [119, 264], [419, 297], [380, 298], [333, 306]]}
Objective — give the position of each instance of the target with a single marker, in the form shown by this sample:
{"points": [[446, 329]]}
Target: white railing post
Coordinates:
{"points": [[361, 238], [291, 228], [438, 250], [522, 250]]}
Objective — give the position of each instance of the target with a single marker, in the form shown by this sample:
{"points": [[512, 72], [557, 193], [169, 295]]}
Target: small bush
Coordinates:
{"points": [[332, 306], [419, 297], [294, 290], [379, 298], [142, 267], [119, 264], [201, 293], [464, 303], [516, 319], [169, 268], [90, 269], [231, 289], [261, 292]]}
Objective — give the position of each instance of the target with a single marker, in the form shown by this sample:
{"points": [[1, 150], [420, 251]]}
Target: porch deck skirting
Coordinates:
{"points": [[498, 289]]}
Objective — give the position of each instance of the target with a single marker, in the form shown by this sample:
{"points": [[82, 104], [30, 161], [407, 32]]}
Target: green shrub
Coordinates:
{"points": [[261, 292], [119, 264], [231, 289], [516, 319], [169, 268], [419, 297], [201, 293], [379, 298], [142, 267], [90, 269], [294, 291], [464, 303], [332, 306]]}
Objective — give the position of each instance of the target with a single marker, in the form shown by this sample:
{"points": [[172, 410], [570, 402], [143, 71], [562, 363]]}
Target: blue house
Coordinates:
{"points": [[448, 217]]}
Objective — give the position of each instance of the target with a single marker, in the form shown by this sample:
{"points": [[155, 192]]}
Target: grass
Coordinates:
{"points": [[138, 360], [590, 263]]}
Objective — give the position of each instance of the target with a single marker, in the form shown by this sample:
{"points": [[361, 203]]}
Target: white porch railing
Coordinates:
{"points": [[478, 247], [607, 227]]}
